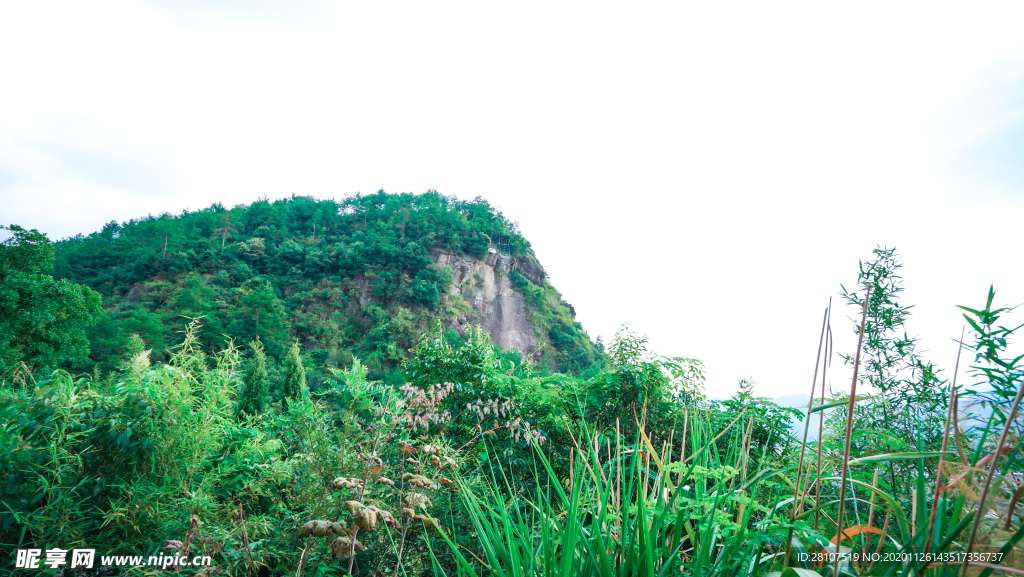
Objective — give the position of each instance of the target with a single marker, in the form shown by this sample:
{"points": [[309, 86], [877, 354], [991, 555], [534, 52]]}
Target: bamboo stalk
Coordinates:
{"points": [[821, 415], [881, 542], [945, 445], [871, 511], [797, 494], [572, 478], [597, 455], [913, 511], [746, 450], [682, 446], [618, 467], [302, 557], [810, 404], [849, 421]]}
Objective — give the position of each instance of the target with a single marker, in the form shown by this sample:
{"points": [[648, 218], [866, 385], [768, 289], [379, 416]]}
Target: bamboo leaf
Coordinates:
{"points": [[843, 402], [884, 458]]}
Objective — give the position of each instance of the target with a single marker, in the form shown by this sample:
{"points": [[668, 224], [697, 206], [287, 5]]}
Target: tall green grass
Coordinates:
{"points": [[637, 511], [702, 507], [628, 510]]}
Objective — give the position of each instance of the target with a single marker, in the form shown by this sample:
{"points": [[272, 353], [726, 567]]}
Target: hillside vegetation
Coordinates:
{"points": [[347, 279]]}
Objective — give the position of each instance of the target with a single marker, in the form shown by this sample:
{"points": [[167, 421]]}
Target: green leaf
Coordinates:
{"points": [[829, 405], [970, 310], [900, 457], [845, 401]]}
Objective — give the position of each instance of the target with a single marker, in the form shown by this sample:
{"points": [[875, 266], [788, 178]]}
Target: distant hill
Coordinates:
{"points": [[795, 401], [362, 277]]}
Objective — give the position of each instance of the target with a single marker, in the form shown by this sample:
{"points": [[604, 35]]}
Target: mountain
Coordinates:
{"points": [[796, 401], [364, 276]]}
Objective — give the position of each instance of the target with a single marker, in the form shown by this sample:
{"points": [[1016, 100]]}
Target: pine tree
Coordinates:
{"points": [[260, 313], [294, 374], [225, 230], [256, 384]]}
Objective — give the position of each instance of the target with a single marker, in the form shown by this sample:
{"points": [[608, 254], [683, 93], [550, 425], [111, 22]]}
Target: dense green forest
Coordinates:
{"points": [[219, 384], [347, 279]]}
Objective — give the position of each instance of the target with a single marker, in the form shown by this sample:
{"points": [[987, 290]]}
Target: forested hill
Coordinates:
{"points": [[362, 277]]}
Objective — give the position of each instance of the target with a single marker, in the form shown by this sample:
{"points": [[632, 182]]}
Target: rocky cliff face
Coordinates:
{"points": [[496, 305]]}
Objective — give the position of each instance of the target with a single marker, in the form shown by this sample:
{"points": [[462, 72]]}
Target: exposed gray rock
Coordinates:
{"points": [[363, 287], [498, 307]]}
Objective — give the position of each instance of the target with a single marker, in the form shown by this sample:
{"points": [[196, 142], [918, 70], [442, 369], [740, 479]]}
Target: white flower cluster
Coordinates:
{"points": [[495, 409], [422, 407], [492, 407], [521, 431]]}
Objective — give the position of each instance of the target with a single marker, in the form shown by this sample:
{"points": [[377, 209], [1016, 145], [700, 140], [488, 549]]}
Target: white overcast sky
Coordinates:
{"points": [[707, 171]]}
